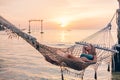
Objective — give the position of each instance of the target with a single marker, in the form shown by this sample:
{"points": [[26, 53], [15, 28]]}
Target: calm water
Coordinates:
{"points": [[20, 61]]}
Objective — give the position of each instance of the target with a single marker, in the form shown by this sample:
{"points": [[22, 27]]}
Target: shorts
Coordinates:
{"points": [[88, 56]]}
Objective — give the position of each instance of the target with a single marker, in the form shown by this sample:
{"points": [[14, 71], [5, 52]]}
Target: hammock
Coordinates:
{"points": [[104, 50]]}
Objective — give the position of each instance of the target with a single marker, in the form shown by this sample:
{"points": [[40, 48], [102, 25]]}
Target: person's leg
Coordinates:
{"points": [[74, 58], [70, 56], [85, 59]]}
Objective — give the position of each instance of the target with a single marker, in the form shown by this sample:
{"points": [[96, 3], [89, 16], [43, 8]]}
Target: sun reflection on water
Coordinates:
{"points": [[62, 36]]}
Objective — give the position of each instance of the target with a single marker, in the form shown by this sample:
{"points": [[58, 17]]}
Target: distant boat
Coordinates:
{"points": [[69, 30]]}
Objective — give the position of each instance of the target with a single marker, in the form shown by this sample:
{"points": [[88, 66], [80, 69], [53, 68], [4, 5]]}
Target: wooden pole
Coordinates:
{"points": [[119, 3], [29, 30], [116, 62], [118, 23], [41, 26]]}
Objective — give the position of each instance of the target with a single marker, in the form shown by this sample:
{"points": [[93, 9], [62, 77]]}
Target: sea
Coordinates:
{"points": [[20, 61]]}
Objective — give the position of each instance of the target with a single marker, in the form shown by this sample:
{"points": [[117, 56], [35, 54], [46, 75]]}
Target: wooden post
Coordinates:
{"points": [[119, 3], [116, 63], [41, 26], [29, 29], [118, 23]]}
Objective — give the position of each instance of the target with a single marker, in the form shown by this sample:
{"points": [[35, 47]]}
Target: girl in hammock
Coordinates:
{"points": [[88, 54]]}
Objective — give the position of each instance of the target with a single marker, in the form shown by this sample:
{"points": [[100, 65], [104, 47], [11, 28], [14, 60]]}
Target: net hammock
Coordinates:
{"points": [[101, 40]]}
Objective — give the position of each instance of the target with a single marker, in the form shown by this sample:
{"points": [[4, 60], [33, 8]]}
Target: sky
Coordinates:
{"points": [[57, 14]]}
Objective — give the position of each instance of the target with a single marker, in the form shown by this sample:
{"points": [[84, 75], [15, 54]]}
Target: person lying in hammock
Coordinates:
{"points": [[88, 54]]}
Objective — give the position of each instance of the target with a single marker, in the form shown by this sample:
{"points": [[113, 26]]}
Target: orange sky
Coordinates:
{"points": [[72, 14]]}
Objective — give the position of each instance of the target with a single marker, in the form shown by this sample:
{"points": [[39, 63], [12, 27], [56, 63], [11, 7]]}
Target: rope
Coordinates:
{"points": [[62, 77], [79, 74], [95, 76], [108, 68], [105, 28], [113, 17]]}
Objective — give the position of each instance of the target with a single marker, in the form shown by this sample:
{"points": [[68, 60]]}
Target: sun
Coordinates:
{"points": [[63, 22]]}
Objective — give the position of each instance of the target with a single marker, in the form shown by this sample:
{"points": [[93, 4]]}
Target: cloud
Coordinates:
{"points": [[5, 2], [23, 10]]}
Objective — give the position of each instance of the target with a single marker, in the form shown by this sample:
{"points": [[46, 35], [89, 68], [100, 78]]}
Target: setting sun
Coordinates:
{"points": [[63, 22]]}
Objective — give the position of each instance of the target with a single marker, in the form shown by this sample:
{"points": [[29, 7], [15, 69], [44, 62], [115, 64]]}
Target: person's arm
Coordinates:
{"points": [[94, 55], [95, 58], [84, 49]]}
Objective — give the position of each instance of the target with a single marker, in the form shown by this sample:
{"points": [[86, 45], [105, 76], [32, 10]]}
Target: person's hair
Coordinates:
{"points": [[93, 50], [84, 49]]}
